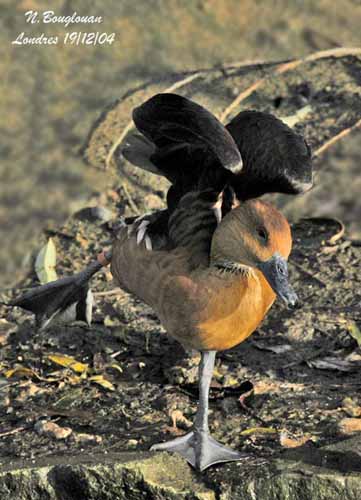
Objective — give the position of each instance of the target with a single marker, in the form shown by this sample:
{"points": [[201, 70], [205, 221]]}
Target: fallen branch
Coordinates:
{"points": [[13, 431]]}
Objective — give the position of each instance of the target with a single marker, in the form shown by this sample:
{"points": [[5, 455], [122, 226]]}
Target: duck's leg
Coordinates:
{"points": [[61, 298], [198, 447]]}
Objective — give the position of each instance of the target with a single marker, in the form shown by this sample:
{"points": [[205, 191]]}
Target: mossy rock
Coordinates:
{"points": [[307, 473]]}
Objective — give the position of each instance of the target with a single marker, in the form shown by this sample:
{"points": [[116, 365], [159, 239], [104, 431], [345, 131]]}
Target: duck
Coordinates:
{"points": [[212, 263], [212, 301]]}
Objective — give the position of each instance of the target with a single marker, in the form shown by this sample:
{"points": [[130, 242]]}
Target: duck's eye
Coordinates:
{"points": [[262, 233]]}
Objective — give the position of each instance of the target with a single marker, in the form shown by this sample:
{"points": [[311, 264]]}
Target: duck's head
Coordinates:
{"points": [[256, 235]]}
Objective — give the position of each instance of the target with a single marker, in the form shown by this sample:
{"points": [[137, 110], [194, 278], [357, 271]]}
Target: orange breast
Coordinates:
{"points": [[202, 310], [234, 312]]}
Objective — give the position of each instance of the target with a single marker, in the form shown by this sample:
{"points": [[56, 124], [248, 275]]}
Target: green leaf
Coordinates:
{"points": [[258, 430]]}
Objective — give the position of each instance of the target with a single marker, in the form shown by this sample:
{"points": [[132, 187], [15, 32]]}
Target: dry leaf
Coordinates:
{"points": [[331, 363], [354, 357], [329, 250], [84, 438], [45, 263], [258, 430], [179, 420], [51, 429], [115, 366], [271, 387], [68, 362], [29, 391], [354, 332], [350, 425], [288, 442], [20, 371], [300, 115], [100, 380], [73, 379], [277, 349], [351, 407]]}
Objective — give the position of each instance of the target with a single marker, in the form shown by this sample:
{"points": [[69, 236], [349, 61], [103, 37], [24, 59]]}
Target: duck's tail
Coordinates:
{"points": [[66, 299]]}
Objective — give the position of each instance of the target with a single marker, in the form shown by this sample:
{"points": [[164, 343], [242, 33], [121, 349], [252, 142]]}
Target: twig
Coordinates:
{"points": [[115, 291], [310, 357], [115, 354], [337, 137], [13, 431], [283, 68], [130, 199], [10, 384], [246, 63]]}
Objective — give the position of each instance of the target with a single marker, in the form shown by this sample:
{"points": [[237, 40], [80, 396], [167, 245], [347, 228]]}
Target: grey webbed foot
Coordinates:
{"points": [[199, 449], [66, 299]]}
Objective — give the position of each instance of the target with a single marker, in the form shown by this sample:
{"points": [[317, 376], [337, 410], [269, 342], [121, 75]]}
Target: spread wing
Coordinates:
{"points": [[275, 158], [178, 132], [188, 145], [256, 153]]}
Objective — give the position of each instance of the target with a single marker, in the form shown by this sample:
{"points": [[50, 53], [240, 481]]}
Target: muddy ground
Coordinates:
{"points": [[295, 382]]}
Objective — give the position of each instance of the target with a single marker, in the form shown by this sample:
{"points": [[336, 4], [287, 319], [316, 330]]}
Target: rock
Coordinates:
{"points": [[305, 473], [114, 476]]}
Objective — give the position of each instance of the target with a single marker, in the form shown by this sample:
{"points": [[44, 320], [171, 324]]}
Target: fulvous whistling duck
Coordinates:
{"points": [[212, 263]]}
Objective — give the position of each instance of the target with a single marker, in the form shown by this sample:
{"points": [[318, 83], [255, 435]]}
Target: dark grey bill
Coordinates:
{"points": [[276, 273]]}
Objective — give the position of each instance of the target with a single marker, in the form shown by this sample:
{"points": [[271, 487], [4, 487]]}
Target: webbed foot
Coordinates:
{"points": [[199, 449]]}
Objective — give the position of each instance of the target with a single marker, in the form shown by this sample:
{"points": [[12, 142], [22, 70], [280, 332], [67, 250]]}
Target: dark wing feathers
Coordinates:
{"points": [[195, 151], [275, 158], [190, 147], [172, 120]]}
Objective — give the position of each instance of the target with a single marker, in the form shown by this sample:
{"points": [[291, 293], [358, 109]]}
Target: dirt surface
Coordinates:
{"points": [[146, 388]]}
